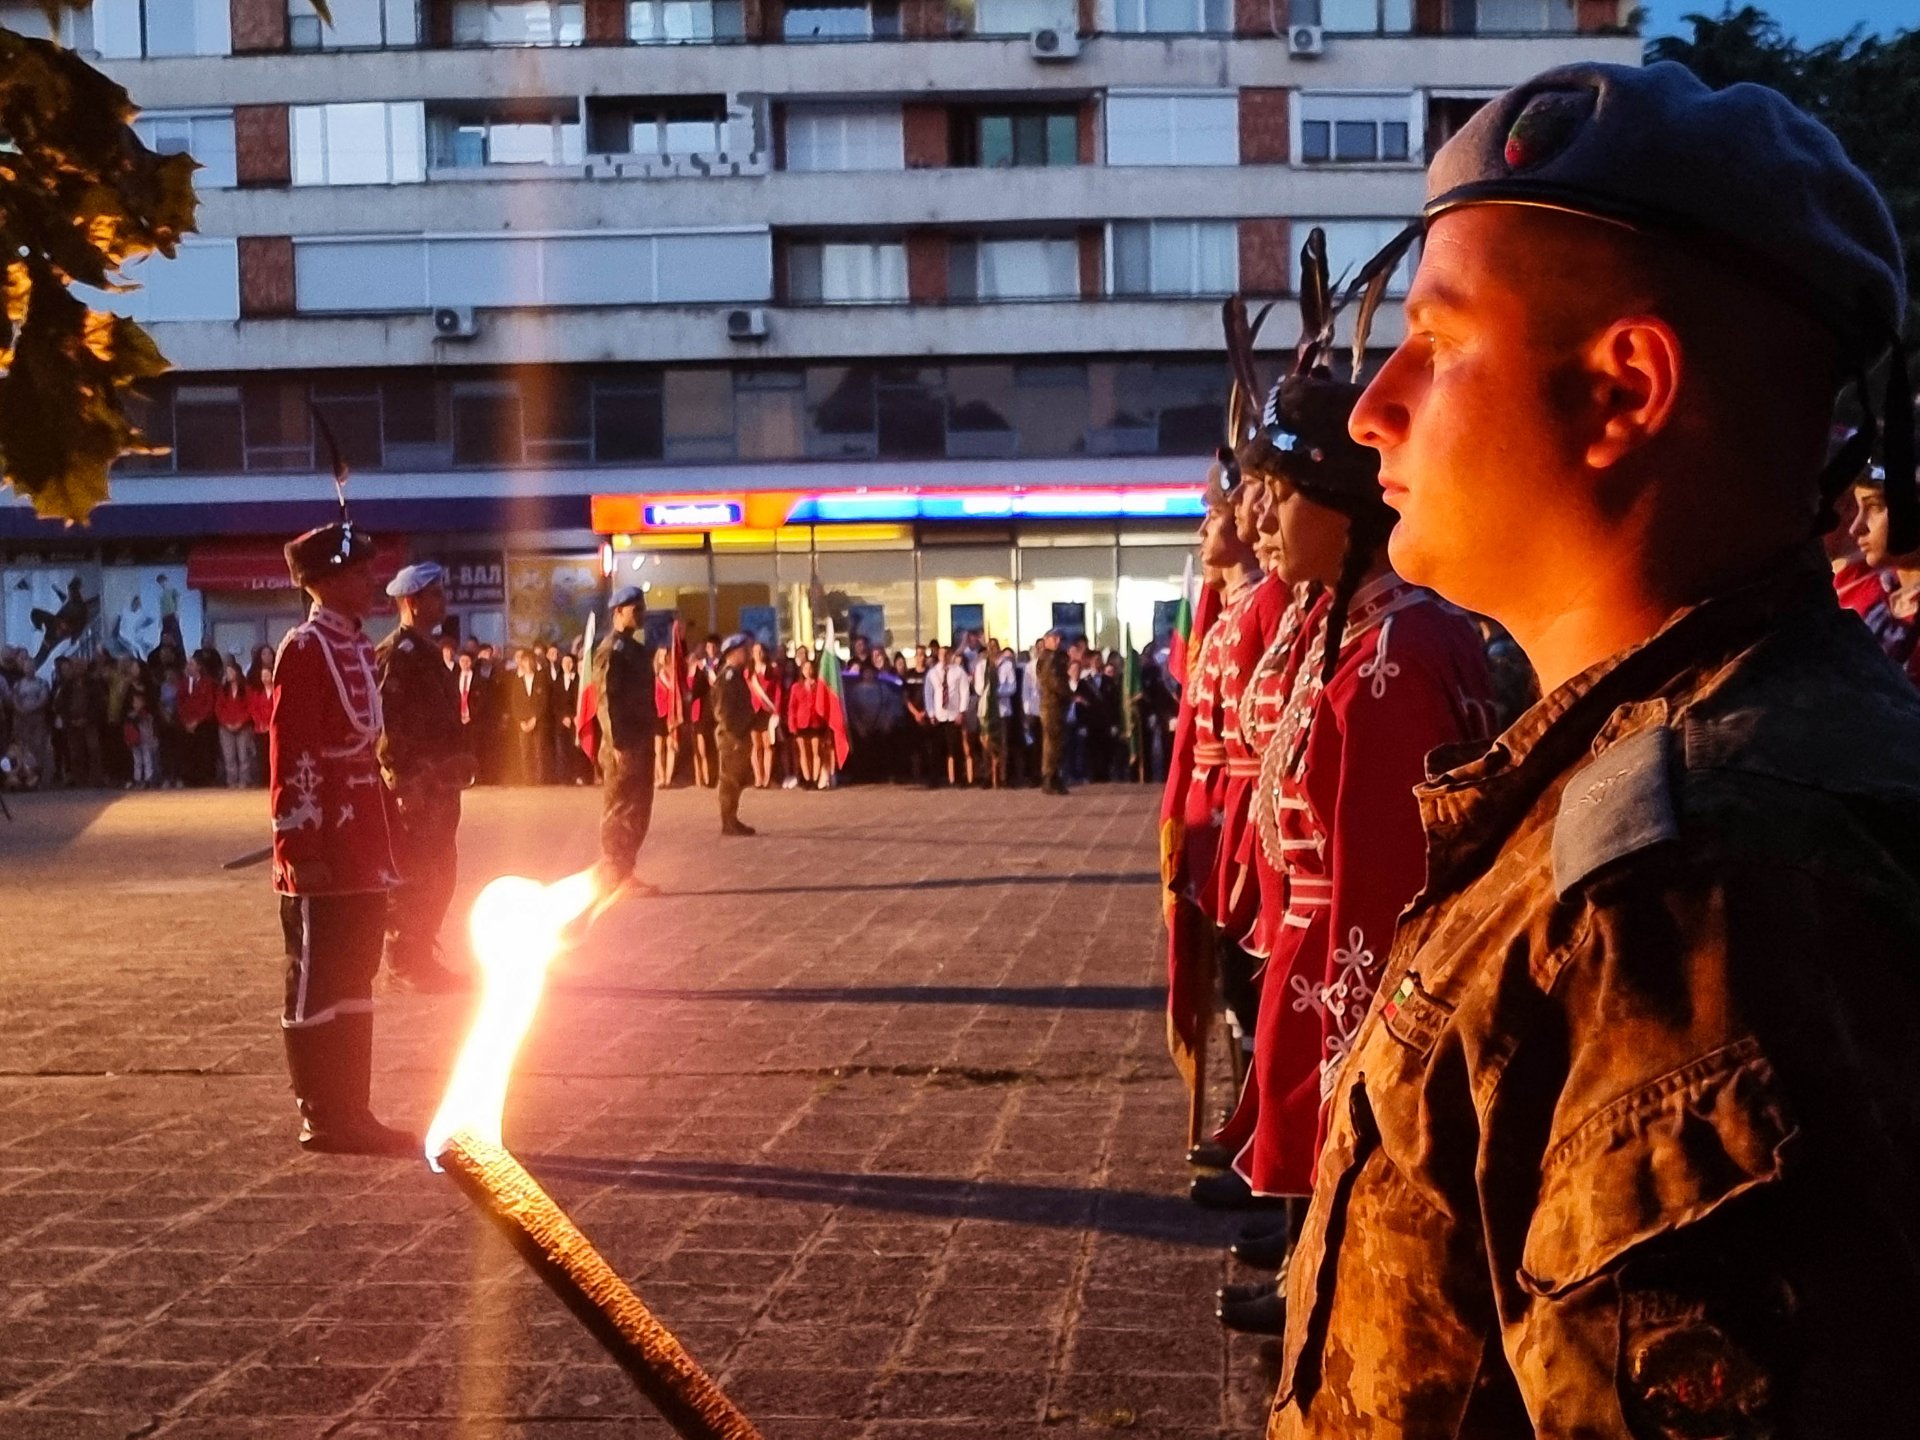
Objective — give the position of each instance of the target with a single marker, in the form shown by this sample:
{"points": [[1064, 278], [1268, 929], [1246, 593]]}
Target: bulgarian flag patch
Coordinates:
{"points": [[1399, 997]]}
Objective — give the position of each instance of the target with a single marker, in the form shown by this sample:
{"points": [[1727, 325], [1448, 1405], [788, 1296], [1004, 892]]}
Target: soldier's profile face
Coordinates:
{"points": [[1469, 414]]}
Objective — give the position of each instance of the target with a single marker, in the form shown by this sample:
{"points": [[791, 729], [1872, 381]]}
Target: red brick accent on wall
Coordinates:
{"points": [[1263, 127], [762, 19], [923, 19], [1597, 15], [926, 267], [606, 22], [266, 275], [258, 25], [1093, 254], [1429, 17], [1257, 17], [1089, 132], [1087, 15], [924, 136], [262, 146], [1264, 246]]}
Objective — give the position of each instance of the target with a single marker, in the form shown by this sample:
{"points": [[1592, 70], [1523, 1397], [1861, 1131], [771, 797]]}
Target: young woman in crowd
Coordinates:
{"points": [[233, 713], [260, 703], [666, 740], [764, 685]]}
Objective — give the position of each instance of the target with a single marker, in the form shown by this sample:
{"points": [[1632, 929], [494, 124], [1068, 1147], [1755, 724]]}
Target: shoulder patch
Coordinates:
{"points": [[406, 647], [1619, 804]]}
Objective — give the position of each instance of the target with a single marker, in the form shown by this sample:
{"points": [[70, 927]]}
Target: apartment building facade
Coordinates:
{"points": [[901, 310]]}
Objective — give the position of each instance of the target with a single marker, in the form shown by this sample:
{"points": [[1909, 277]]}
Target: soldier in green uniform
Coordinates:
{"points": [[1056, 693], [1628, 1142], [425, 764], [733, 709], [629, 717]]}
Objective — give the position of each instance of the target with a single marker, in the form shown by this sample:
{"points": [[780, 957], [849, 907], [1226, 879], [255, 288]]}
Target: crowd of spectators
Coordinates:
{"points": [[166, 722]]}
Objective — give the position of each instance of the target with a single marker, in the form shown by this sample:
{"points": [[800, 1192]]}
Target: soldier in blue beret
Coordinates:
{"points": [[1628, 1143], [733, 714], [629, 717]]}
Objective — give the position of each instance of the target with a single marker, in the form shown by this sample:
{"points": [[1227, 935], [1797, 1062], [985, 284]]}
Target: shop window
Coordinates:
{"points": [[359, 144], [1169, 128], [628, 421], [206, 136], [1003, 139], [699, 414], [825, 20], [488, 426], [278, 430], [833, 272], [528, 22], [1173, 17], [840, 412], [352, 411], [1175, 257], [685, 22], [844, 137], [1349, 129], [206, 421]]}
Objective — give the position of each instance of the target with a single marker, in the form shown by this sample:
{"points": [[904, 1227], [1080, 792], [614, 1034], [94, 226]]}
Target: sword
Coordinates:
{"points": [[252, 857]]}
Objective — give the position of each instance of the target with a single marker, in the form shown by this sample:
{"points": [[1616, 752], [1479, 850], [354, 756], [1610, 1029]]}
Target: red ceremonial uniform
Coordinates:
{"points": [[1225, 646], [1868, 593], [1263, 703], [1190, 986], [329, 806], [1231, 894], [1344, 830]]}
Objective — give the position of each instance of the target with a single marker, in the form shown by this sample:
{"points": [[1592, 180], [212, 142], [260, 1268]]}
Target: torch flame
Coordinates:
{"points": [[518, 926]]}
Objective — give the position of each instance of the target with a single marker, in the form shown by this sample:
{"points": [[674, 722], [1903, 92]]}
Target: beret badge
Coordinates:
{"points": [[1545, 126]]}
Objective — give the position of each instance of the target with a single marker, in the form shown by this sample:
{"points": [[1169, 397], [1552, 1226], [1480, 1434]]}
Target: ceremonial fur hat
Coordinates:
{"points": [[412, 579], [1739, 176], [327, 550]]}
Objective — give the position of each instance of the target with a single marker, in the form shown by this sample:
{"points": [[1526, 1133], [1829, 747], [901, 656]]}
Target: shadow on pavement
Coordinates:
{"points": [[1168, 1218], [950, 882], [1019, 997]]}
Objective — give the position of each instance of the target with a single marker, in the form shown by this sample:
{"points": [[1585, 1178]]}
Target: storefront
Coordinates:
{"points": [[906, 566]]}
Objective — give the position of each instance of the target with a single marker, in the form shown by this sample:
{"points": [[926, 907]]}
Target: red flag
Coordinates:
{"points": [[586, 723], [677, 668]]}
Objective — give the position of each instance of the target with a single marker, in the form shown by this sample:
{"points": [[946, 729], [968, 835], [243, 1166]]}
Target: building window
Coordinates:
{"points": [[1176, 257], [1350, 244], [487, 422], [844, 137], [1512, 17], [357, 25], [1170, 128], [351, 409], [999, 140], [1173, 17], [531, 133], [519, 22], [831, 272], [129, 29], [698, 414], [206, 429], [201, 282], [1355, 129], [829, 20], [275, 425], [628, 421], [1355, 17], [1022, 17], [557, 417], [685, 22], [1035, 269], [205, 135], [361, 144]]}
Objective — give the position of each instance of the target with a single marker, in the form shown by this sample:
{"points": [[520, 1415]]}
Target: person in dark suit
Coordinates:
{"points": [[569, 763], [529, 710]]}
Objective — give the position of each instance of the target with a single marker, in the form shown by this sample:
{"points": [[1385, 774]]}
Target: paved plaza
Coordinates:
{"points": [[874, 1110]]}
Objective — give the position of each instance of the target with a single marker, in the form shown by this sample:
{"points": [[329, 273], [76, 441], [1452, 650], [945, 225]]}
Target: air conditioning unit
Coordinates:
{"points": [[1304, 42], [747, 324], [455, 322], [1053, 45]]}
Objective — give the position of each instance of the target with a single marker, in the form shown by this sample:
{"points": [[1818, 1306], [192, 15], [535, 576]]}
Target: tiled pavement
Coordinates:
{"points": [[873, 1110]]}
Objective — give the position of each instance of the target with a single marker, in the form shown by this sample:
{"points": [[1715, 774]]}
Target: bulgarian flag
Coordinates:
{"points": [[1182, 628], [586, 709], [828, 669], [677, 668]]}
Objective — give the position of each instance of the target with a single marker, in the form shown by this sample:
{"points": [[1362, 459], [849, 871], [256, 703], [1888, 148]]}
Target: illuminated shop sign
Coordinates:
{"points": [[693, 514], [1075, 504]]}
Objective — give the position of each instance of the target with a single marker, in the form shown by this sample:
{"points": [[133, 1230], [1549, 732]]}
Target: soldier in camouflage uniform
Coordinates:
{"points": [[425, 763], [1055, 695], [1628, 1143], [629, 717], [733, 713]]}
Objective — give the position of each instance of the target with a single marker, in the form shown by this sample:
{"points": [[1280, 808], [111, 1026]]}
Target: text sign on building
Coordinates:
{"points": [[693, 514], [476, 579]]}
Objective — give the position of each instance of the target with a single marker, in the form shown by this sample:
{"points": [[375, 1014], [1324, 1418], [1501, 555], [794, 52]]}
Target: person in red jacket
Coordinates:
{"points": [[199, 728], [765, 685], [260, 711], [332, 853], [233, 713]]}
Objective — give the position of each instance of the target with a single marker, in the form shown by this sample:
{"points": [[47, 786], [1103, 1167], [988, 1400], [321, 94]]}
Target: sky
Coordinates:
{"points": [[1808, 21]]}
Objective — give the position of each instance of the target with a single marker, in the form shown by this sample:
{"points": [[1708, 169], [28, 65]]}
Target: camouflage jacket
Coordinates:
{"points": [[422, 744], [1629, 1142]]}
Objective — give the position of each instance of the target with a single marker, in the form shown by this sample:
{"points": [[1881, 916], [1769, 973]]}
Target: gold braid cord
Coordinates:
{"points": [[553, 1245]]}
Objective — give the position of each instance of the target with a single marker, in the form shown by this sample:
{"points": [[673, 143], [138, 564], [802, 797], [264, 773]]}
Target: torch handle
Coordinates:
{"points": [[563, 1257]]}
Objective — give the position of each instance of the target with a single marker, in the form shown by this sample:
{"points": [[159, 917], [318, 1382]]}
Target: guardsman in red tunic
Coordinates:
{"points": [[1383, 673], [1897, 622], [332, 856]]}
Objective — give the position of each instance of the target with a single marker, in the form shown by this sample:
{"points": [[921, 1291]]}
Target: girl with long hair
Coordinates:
{"points": [[765, 685]]}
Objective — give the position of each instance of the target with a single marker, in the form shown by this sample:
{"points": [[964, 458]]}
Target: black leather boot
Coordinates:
{"points": [[1263, 1315], [1227, 1191], [332, 1066]]}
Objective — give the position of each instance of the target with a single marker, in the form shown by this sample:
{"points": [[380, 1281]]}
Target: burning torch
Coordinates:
{"points": [[518, 927]]}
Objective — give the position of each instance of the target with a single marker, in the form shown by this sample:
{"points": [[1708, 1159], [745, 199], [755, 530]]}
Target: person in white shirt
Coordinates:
{"points": [[956, 704]]}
